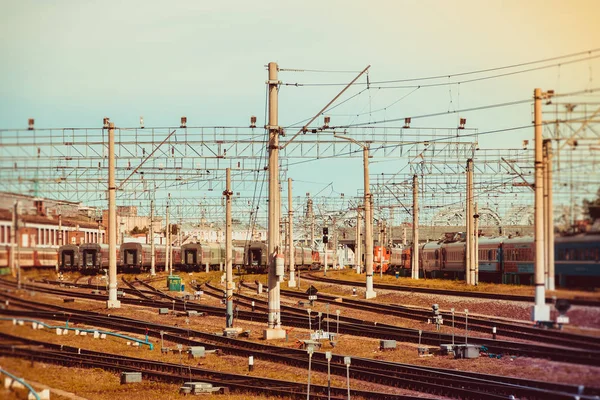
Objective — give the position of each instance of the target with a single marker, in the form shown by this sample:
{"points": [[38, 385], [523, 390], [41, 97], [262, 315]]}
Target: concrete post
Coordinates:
{"points": [[274, 246], [152, 250], [167, 239], [469, 265], [550, 218], [112, 222], [13, 240], [476, 244], [228, 251], [545, 202], [358, 242], [369, 292], [290, 235], [541, 312], [415, 247], [61, 240]]}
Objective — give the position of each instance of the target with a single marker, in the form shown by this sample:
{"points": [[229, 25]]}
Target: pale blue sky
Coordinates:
{"points": [[70, 63]]}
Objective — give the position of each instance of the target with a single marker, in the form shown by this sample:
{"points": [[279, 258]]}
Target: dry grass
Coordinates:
{"points": [[446, 284], [347, 345]]}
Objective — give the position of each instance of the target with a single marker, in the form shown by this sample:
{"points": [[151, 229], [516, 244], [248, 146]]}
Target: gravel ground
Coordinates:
{"points": [[358, 347]]}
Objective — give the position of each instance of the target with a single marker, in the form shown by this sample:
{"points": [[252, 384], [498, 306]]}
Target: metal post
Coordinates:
{"points": [[369, 292], [541, 312], [466, 324], [415, 247], [310, 353], [274, 317], [328, 357], [309, 324], [292, 280], [152, 250], [337, 331], [452, 311], [358, 242], [347, 361], [112, 222], [228, 251], [327, 309], [325, 259]]}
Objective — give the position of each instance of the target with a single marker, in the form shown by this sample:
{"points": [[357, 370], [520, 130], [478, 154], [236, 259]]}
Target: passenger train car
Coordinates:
{"points": [[196, 256]]}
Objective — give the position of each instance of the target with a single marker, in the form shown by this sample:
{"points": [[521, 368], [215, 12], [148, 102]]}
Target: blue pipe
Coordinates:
{"points": [[22, 382], [142, 342]]}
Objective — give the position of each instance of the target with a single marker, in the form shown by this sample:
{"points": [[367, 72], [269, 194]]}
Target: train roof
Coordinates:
{"points": [[431, 245], [585, 238], [520, 239], [492, 240]]}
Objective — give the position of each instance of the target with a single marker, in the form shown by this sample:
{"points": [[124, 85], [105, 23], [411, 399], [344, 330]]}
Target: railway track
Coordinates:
{"points": [[503, 328], [358, 327], [174, 373], [297, 318], [437, 381], [447, 292]]}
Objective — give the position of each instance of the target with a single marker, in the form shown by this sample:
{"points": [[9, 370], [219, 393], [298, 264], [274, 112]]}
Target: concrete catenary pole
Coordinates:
{"points": [[550, 217], [112, 222], [469, 265], [369, 293], [391, 228], [358, 242], [228, 251], [13, 240], [380, 229], [476, 245], [151, 232], [274, 330], [290, 235], [415, 246], [541, 312], [546, 224], [61, 240], [167, 239]]}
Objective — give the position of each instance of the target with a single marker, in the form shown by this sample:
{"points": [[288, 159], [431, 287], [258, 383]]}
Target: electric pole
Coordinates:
{"points": [[112, 222], [228, 251], [275, 256], [152, 255], [415, 246], [541, 311], [292, 281]]}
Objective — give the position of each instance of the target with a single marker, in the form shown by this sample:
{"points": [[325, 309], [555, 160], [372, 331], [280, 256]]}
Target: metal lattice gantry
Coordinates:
{"points": [[187, 163], [574, 133], [500, 186]]}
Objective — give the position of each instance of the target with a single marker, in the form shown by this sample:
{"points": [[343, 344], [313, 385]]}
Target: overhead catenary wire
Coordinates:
{"points": [[474, 72]]}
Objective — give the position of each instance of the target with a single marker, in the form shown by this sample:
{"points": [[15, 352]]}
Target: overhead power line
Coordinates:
{"points": [[589, 54]]}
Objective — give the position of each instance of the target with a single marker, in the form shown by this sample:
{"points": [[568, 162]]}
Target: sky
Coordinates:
{"points": [[71, 63]]}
